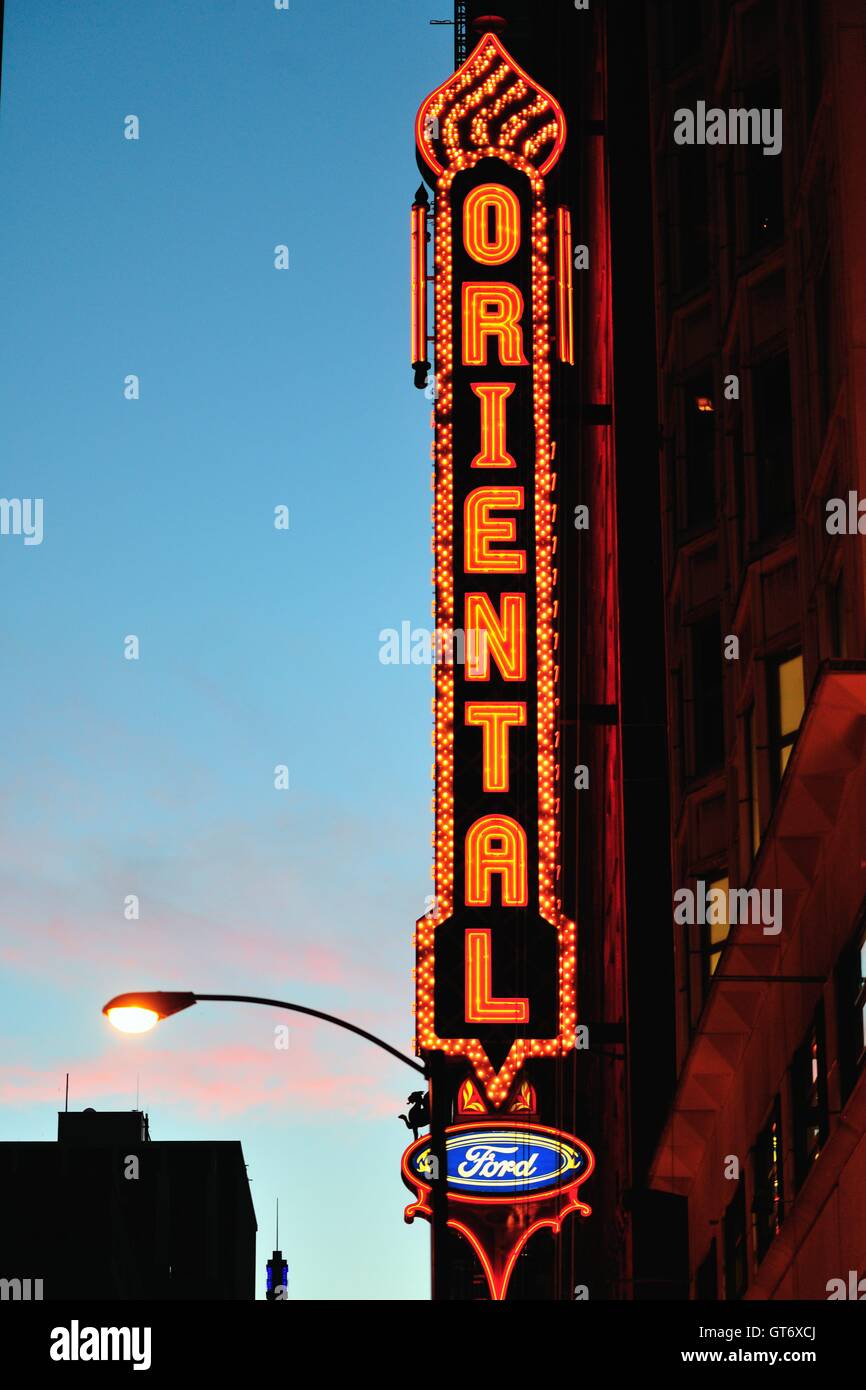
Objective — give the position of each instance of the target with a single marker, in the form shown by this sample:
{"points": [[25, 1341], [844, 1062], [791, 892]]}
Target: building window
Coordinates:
{"points": [[774, 475], [739, 479], [836, 616], [708, 730], [787, 702], [825, 343], [715, 933], [692, 266], [679, 725], [700, 451], [682, 28], [861, 998], [693, 996], [736, 1265], [687, 975], [768, 1207], [814, 43], [851, 1009], [753, 779], [764, 189], [673, 482], [707, 1276], [809, 1095]]}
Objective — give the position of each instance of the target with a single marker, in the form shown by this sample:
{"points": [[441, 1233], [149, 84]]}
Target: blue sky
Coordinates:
{"points": [[257, 647]]}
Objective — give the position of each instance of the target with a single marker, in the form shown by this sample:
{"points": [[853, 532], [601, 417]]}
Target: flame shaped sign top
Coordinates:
{"points": [[490, 106]]}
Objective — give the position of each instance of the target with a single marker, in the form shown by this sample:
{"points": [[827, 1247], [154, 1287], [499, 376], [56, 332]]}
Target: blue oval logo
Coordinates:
{"points": [[502, 1161]]}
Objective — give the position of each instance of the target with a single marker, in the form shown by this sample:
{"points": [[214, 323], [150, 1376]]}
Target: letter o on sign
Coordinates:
{"points": [[491, 224]]}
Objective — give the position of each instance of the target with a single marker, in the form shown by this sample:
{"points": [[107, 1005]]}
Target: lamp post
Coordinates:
{"points": [[140, 1011]]}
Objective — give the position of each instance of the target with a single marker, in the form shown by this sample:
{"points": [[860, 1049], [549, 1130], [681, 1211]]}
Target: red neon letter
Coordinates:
{"points": [[492, 309], [495, 720], [481, 1007], [491, 201], [504, 635], [481, 529], [493, 395], [496, 844]]}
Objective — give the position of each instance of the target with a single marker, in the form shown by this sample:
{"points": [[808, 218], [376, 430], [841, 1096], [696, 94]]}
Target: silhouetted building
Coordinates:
{"points": [[107, 1213], [760, 270]]}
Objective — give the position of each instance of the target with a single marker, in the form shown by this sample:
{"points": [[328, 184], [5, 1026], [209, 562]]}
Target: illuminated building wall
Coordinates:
{"points": [[760, 271]]}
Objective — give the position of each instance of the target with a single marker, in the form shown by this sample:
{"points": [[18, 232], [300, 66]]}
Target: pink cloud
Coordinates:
{"points": [[229, 1079]]}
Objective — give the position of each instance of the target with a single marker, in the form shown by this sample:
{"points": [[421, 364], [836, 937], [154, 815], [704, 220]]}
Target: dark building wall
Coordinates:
{"points": [[760, 275], [645, 741], [183, 1229], [659, 1220]]}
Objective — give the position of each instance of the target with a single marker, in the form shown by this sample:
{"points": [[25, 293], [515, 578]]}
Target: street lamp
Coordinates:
{"points": [[140, 1011]]}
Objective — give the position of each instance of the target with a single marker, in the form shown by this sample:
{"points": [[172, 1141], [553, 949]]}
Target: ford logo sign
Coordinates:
{"points": [[499, 1161]]}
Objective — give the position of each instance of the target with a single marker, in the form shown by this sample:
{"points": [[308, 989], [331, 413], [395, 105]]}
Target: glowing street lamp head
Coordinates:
{"points": [[132, 1020], [139, 1012]]}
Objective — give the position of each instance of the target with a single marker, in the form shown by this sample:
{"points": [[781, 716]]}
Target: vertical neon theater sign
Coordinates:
{"points": [[495, 957]]}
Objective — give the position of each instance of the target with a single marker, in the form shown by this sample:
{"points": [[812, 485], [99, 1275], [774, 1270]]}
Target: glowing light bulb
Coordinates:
{"points": [[133, 1019]]}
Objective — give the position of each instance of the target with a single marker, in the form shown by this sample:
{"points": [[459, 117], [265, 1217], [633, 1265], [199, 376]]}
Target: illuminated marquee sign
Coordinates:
{"points": [[504, 1183], [489, 1162], [495, 966]]}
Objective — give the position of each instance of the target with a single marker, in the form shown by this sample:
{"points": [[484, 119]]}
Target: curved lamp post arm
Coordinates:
{"points": [[327, 1018], [163, 1003]]}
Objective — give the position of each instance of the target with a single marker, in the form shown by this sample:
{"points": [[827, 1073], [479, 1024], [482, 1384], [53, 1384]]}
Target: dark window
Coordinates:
{"points": [[679, 723], [836, 615], [814, 38], [729, 184], [851, 1009], [707, 707], [682, 24], [809, 1096], [736, 1266], [825, 343], [692, 267], [753, 779], [707, 1276], [768, 1208], [693, 1002], [786, 702], [700, 438], [739, 480], [763, 172], [771, 401], [671, 473]]}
